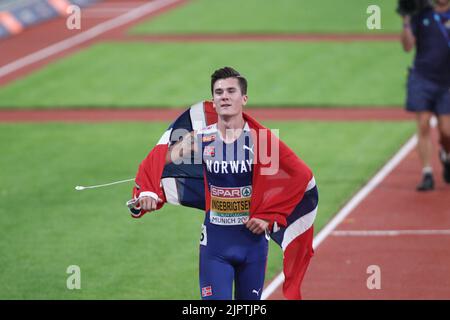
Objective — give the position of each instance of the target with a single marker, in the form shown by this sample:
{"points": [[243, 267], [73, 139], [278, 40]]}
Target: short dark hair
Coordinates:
{"points": [[228, 72]]}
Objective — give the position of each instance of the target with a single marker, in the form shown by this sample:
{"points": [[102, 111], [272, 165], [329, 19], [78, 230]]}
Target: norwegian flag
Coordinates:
{"points": [[209, 151], [287, 199], [206, 291]]}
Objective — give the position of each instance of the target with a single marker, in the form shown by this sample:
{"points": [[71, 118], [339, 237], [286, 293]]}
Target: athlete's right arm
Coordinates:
{"points": [[182, 148], [175, 153], [407, 36]]}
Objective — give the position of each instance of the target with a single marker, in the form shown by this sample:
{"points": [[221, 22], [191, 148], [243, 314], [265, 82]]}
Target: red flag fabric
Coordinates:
{"points": [[276, 194], [148, 178]]}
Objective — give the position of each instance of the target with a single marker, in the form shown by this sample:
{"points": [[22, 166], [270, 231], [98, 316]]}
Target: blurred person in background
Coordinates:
{"points": [[428, 85]]}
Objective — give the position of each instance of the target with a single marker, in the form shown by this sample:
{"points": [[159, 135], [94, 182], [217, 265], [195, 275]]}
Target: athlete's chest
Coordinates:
{"points": [[228, 160], [229, 173]]}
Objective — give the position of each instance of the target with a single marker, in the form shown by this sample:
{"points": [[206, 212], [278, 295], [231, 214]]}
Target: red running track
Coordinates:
{"points": [[305, 114], [247, 37]]}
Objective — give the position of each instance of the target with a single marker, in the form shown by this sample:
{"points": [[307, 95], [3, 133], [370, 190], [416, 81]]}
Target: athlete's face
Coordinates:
{"points": [[228, 98], [442, 3]]}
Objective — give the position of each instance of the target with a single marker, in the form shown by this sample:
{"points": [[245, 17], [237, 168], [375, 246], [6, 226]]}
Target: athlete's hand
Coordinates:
{"points": [[148, 203], [257, 226]]}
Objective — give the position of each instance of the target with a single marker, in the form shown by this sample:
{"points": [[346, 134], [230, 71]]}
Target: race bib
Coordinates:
{"points": [[230, 206]]}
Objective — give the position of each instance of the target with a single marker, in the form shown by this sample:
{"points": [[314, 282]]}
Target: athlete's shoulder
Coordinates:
{"points": [[423, 17]]}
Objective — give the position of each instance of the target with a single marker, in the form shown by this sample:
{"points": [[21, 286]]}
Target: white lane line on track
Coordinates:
{"points": [[389, 233], [85, 36], [352, 204]]}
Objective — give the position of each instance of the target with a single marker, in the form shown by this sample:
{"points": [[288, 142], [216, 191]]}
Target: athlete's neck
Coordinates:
{"points": [[230, 128]]}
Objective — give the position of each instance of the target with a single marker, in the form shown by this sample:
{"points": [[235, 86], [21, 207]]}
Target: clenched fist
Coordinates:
{"points": [[148, 203]]}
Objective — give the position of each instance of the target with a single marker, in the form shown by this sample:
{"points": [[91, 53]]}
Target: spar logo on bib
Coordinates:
{"points": [[246, 191], [230, 206]]}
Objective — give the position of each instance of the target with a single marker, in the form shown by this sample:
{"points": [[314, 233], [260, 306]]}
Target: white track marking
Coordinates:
{"points": [[120, 4], [352, 204], [85, 36], [389, 233], [278, 281]]}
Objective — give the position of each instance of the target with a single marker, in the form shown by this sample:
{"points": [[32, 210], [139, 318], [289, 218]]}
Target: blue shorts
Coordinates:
{"points": [[232, 254], [426, 95]]}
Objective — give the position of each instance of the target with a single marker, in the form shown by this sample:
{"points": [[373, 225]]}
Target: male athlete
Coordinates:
{"points": [[243, 203], [429, 83]]}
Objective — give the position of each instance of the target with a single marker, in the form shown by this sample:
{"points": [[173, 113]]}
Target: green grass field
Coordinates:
{"points": [[273, 16], [47, 226], [174, 75]]}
